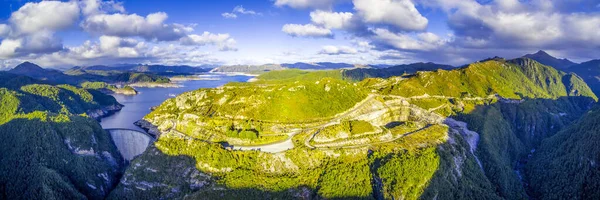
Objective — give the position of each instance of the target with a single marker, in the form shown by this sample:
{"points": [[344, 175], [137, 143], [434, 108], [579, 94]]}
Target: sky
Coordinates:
{"points": [[229, 32]]}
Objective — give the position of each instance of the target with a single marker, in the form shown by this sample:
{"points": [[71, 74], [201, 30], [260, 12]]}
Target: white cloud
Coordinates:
{"points": [[34, 17], [31, 34], [107, 46], [93, 7], [151, 27], [400, 13], [336, 20], [240, 9], [8, 47], [320, 4], [307, 30], [538, 24], [223, 41], [229, 15], [337, 50], [422, 42], [4, 30], [31, 29]]}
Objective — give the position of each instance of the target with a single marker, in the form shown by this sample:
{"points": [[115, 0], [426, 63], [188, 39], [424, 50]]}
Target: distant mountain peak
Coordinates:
{"points": [[27, 67], [547, 59], [542, 53]]}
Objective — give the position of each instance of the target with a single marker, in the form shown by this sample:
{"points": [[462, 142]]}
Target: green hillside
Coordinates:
{"points": [[398, 70], [50, 149], [590, 72], [292, 101], [515, 79], [380, 138], [565, 165]]}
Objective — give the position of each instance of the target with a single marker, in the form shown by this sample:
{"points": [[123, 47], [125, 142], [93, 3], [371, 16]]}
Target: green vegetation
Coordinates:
{"points": [[565, 165], [392, 141], [140, 77], [515, 79], [49, 149], [405, 176], [108, 88], [353, 128], [511, 105], [326, 174], [590, 73], [399, 70], [293, 102], [97, 85], [253, 69], [292, 75]]}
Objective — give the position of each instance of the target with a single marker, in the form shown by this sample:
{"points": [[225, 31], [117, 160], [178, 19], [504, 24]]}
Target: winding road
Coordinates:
{"points": [[286, 144]]}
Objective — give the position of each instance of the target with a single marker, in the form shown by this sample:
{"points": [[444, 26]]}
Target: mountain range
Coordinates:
{"points": [[156, 69], [257, 69], [493, 129], [79, 75]]}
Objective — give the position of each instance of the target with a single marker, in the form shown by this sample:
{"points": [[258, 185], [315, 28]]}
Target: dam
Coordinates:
{"points": [[130, 143]]}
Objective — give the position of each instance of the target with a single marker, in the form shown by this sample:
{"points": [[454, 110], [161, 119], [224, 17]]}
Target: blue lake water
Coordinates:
{"points": [[137, 106]]}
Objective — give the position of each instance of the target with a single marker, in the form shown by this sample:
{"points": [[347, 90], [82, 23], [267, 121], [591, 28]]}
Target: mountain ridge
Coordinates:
{"points": [[547, 59]]}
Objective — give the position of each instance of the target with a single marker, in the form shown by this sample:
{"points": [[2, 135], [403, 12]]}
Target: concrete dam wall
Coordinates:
{"points": [[130, 143]]}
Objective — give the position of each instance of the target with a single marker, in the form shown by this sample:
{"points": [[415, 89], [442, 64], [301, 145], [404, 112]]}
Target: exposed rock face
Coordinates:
{"points": [[99, 113], [129, 142], [177, 177], [149, 127]]}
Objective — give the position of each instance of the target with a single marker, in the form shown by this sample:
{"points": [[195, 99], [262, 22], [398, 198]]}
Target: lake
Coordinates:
{"points": [[138, 106]]}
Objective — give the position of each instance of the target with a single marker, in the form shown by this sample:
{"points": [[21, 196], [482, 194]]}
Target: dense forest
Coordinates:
{"points": [[50, 148]]}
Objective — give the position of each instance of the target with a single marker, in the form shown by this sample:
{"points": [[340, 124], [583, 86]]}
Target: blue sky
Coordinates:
{"points": [[89, 32]]}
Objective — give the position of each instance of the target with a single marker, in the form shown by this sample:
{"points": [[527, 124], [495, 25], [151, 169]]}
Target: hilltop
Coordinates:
{"points": [[589, 71], [547, 59]]}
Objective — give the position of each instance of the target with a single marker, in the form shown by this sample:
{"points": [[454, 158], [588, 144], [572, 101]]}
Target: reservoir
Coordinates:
{"points": [[138, 106]]}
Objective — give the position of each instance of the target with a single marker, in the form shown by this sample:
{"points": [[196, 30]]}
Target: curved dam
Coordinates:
{"points": [[130, 143]]}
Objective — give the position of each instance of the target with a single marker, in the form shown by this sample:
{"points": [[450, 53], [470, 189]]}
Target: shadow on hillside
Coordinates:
{"points": [[42, 159], [508, 133]]}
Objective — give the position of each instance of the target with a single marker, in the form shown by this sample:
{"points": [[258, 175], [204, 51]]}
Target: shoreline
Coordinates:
{"points": [[235, 74], [155, 85], [106, 111]]}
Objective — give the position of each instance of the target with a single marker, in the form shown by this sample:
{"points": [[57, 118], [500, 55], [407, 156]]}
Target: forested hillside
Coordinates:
{"points": [[565, 166], [51, 149]]}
